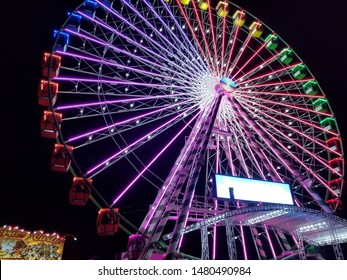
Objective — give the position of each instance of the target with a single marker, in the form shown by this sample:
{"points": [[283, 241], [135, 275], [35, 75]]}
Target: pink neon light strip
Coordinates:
{"points": [[204, 37], [271, 245], [213, 35], [233, 43], [305, 150], [283, 69], [223, 43], [285, 94], [110, 102], [193, 34], [251, 58], [286, 105], [299, 161], [243, 243], [316, 141], [244, 46], [294, 118], [272, 58]]}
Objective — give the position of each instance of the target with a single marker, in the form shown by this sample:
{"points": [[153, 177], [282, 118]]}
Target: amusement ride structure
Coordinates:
{"points": [[149, 100]]}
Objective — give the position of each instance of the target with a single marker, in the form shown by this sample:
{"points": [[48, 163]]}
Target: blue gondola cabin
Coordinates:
{"points": [[80, 191], [107, 223]]}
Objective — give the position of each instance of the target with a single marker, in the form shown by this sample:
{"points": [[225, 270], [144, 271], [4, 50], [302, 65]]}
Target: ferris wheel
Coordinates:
{"points": [[149, 100]]}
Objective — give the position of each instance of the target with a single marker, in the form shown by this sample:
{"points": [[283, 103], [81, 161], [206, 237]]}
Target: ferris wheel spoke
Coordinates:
{"points": [[234, 63], [294, 118], [153, 114], [310, 171], [193, 33], [152, 161], [181, 28], [273, 74], [288, 105], [146, 50], [170, 34], [291, 130], [252, 58], [129, 148], [260, 66], [290, 142]]}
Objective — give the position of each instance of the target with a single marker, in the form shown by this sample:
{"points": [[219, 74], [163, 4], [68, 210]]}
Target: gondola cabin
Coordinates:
{"points": [[45, 89], [136, 245], [336, 185], [80, 191], [50, 65], [61, 160], [49, 128], [239, 18], [107, 223], [256, 29], [222, 8], [202, 4]]}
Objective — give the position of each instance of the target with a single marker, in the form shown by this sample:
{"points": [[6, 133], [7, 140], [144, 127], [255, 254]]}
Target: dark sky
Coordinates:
{"points": [[34, 197]]}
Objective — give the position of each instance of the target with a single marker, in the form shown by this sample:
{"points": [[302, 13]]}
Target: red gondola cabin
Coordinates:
{"points": [[61, 159], [48, 126], [107, 222], [46, 88], [80, 191], [51, 65]]}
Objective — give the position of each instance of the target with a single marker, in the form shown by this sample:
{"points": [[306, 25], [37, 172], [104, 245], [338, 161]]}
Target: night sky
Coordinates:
{"points": [[32, 196]]}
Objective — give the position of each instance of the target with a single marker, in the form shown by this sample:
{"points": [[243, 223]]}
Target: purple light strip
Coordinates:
{"points": [[160, 48], [136, 57], [152, 161], [243, 243], [116, 82], [134, 143], [146, 73], [92, 104], [159, 33], [125, 121], [164, 192], [270, 241]]}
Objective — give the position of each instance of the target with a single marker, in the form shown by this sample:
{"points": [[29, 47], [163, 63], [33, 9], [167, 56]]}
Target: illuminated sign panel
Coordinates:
{"points": [[244, 189]]}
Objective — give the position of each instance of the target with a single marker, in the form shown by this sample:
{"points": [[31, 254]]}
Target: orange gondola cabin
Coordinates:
{"points": [[80, 191], [107, 223], [61, 159]]}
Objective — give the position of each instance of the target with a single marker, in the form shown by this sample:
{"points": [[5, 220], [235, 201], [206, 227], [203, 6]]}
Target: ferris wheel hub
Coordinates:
{"points": [[227, 84]]}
